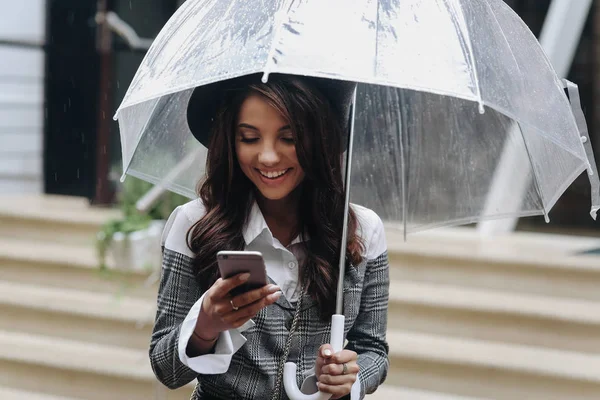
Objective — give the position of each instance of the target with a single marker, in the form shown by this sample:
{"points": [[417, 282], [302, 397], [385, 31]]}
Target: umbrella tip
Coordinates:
{"points": [[265, 77], [481, 108], [123, 178]]}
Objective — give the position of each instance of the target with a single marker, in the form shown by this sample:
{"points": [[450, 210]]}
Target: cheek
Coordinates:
{"points": [[293, 156], [244, 156]]}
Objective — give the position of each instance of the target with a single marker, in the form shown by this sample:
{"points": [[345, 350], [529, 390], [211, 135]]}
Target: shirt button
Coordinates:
{"points": [[292, 264]]}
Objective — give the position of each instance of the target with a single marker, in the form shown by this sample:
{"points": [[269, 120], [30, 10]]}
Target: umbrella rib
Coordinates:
{"points": [[470, 55], [538, 188], [277, 25], [376, 40], [139, 139], [512, 54]]}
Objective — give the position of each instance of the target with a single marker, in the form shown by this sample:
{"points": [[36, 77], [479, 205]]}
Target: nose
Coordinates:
{"points": [[268, 154]]}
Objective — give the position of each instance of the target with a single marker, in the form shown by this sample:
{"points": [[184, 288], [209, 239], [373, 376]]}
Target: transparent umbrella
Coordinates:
{"points": [[447, 91]]}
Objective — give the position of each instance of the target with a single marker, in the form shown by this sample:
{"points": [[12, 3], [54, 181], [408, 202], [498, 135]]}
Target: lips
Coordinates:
{"points": [[273, 174]]}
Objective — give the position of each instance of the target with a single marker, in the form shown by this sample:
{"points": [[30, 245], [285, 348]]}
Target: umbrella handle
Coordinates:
{"points": [[289, 370]]}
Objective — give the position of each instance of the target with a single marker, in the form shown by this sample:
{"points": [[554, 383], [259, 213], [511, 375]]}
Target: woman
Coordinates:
{"points": [[274, 185]]}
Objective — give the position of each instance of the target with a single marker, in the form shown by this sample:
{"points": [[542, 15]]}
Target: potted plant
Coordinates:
{"points": [[133, 241]]}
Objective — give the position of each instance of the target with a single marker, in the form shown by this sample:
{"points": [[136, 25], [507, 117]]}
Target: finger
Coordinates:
{"points": [[338, 369], [224, 286], [335, 391], [222, 308], [344, 356], [254, 295], [337, 380], [319, 365], [326, 351], [251, 310], [240, 321], [323, 356], [240, 317]]}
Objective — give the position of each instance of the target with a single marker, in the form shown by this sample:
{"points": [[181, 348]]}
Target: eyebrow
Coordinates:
{"points": [[248, 126]]}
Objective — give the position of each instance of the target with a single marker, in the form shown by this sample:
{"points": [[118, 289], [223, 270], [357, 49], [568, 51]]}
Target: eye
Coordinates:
{"points": [[289, 140], [248, 140]]}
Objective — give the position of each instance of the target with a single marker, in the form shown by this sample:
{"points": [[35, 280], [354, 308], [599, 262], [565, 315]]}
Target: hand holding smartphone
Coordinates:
{"points": [[234, 299], [237, 262]]}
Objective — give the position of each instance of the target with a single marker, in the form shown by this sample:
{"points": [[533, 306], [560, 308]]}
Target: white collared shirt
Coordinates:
{"points": [[282, 267]]}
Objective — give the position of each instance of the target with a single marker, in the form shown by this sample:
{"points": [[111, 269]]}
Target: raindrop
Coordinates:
{"points": [[130, 5], [55, 177], [118, 85], [103, 115], [77, 173]]}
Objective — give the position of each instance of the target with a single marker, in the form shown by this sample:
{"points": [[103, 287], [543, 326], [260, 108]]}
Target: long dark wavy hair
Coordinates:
{"points": [[228, 194]]}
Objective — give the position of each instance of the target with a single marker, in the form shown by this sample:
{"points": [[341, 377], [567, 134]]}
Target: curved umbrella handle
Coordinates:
{"points": [[289, 370]]}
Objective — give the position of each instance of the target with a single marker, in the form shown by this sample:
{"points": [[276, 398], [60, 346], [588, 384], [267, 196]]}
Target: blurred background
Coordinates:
{"points": [[503, 310]]}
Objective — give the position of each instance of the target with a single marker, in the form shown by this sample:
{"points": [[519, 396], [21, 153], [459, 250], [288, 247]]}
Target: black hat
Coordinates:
{"points": [[206, 100]]}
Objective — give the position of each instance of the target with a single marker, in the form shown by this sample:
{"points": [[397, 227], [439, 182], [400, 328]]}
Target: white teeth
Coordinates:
{"points": [[274, 174]]}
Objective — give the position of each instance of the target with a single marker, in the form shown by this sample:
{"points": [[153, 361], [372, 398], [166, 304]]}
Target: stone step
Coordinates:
{"points": [[95, 318], [470, 367], [458, 312], [70, 267], [7, 393], [549, 265], [49, 218], [390, 392], [67, 368], [553, 322]]}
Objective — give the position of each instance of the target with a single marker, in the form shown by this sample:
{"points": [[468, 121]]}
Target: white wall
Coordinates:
{"points": [[22, 96]]}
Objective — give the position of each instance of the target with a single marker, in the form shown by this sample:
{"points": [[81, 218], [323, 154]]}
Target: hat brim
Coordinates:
{"points": [[205, 101]]}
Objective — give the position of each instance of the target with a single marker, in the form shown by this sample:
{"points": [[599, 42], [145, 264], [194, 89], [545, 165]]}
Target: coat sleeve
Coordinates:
{"points": [[367, 337], [177, 293]]}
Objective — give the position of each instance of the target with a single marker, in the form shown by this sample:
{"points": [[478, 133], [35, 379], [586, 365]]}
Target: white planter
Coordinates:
{"points": [[138, 251]]}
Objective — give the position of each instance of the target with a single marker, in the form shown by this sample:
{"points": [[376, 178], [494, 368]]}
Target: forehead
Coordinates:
{"points": [[257, 111]]}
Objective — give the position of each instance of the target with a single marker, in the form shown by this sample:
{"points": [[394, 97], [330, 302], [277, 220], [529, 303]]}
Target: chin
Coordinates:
{"points": [[271, 195]]}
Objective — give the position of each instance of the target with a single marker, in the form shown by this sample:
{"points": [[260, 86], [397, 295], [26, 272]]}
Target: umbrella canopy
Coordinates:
{"points": [[445, 88]]}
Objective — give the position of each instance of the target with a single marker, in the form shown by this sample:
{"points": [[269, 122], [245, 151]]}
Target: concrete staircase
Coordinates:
{"points": [[517, 317], [67, 331]]}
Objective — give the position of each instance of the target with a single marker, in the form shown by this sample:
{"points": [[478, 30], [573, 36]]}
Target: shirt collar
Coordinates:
{"points": [[256, 225]]}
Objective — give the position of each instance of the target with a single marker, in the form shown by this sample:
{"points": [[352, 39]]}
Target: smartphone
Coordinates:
{"points": [[236, 262]]}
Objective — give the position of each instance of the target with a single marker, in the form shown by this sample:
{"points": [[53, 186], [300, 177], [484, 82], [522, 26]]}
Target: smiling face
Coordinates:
{"points": [[265, 149]]}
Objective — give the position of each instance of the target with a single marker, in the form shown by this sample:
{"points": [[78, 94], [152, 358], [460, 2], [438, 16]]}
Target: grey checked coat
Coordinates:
{"points": [[253, 368]]}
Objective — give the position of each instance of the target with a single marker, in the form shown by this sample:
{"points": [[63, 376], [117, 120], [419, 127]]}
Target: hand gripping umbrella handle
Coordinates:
{"points": [[289, 370]]}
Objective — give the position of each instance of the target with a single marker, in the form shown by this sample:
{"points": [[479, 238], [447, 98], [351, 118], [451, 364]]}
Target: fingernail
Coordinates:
{"points": [[276, 295], [273, 288], [244, 277], [327, 352]]}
